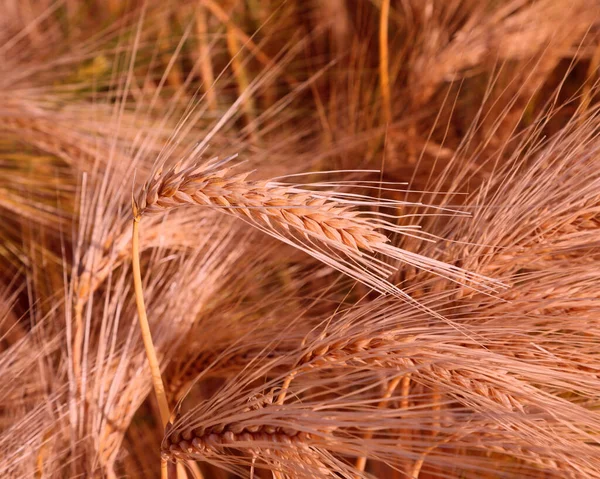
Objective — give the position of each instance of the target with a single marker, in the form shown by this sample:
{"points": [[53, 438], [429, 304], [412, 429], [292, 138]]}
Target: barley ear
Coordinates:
{"points": [[157, 381]]}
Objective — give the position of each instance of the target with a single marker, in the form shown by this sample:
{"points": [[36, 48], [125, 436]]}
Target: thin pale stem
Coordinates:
{"points": [[361, 462], [384, 78], [416, 472], [157, 381], [586, 95], [42, 455], [206, 68], [78, 343], [284, 389], [195, 470]]}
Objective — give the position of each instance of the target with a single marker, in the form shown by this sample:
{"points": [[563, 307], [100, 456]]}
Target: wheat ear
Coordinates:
{"points": [[325, 224]]}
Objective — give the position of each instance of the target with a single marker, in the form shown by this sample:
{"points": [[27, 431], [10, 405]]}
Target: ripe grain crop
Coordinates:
{"points": [[365, 239]]}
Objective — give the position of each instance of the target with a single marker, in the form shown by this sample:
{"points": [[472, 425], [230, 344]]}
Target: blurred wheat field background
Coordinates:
{"points": [[369, 238]]}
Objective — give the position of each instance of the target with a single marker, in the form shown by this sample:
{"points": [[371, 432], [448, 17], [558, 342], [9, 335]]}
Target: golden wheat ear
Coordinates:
{"points": [[347, 231]]}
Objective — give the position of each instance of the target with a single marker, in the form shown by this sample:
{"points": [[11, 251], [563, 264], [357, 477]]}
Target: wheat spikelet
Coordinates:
{"points": [[261, 202]]}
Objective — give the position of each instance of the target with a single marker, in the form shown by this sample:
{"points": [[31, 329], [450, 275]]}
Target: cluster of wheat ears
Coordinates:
{"points": [[300, 239]]}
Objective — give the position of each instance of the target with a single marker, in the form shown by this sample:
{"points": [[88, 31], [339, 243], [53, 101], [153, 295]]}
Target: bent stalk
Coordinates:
{"points": [[157, 381]]}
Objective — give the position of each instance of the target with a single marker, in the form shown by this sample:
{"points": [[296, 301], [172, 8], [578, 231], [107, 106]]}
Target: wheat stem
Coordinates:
{"points": [[78, 342], [384, 61], [206, 68], [157, 381], [284, 389], [361, 462], [166, 469], [241, 77]]}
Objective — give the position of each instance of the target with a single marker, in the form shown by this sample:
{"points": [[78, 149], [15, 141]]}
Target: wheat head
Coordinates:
{"points": [[326, 224]]}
